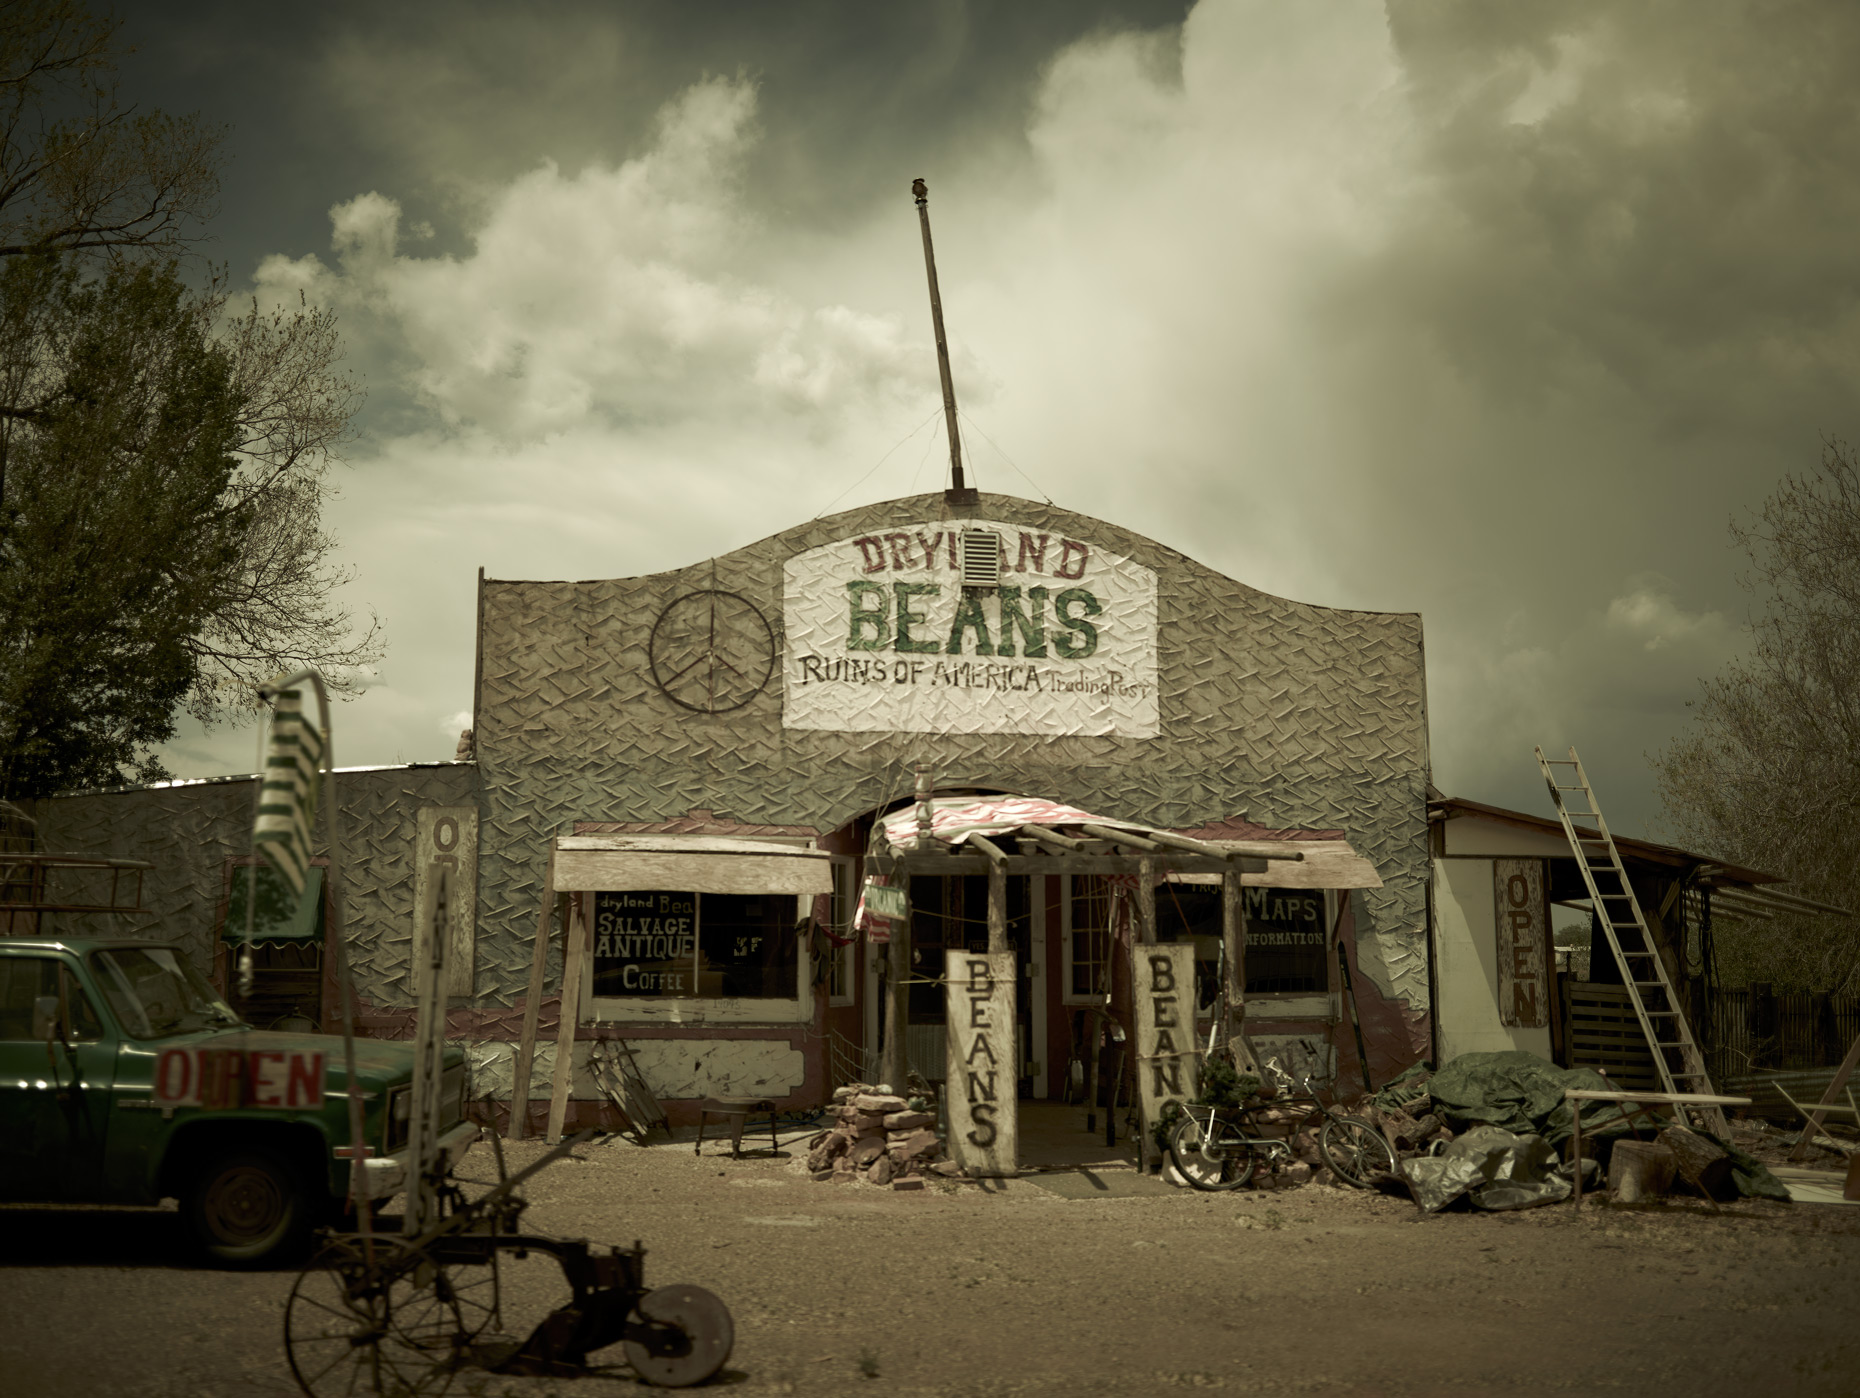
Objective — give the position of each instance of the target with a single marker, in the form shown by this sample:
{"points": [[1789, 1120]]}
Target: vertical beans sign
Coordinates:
{"points": [[981, 1064], [1523, 943], [889, 632], [1164, 992]]}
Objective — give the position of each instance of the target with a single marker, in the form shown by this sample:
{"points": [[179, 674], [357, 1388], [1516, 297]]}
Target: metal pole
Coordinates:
{"points": [[959, 493]]}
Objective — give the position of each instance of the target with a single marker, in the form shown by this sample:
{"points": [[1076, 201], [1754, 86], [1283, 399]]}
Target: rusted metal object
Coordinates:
{"points": [[26, 888]]}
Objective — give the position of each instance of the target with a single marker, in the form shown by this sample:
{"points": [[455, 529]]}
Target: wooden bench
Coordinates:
{"points": [[738, 1110]]}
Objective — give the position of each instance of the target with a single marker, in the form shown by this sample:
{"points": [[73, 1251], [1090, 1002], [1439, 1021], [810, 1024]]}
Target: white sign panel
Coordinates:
{"points": [[980, 1063], [1167, 1059], [892, 632], [446, 837]]}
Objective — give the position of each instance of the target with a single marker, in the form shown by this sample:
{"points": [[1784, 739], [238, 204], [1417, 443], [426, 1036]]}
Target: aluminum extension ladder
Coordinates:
{"points": [[1675, 1052]]}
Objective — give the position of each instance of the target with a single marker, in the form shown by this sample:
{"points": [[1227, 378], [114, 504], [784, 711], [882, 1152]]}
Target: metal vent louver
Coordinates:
{"points": [[981, 557]]}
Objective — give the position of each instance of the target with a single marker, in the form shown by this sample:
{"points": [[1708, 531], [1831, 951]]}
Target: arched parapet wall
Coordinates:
{"points": [[1290, 715]]}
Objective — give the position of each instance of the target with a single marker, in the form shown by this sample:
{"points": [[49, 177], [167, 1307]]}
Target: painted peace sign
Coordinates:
{"points": [[711, 651]]}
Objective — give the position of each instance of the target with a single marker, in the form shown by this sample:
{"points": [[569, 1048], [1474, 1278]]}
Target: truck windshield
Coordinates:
{"points": [[156, 994]]}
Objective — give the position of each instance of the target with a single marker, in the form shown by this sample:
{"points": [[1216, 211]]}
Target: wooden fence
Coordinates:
{"points": [[1742, 1032], [1758, 1028]]}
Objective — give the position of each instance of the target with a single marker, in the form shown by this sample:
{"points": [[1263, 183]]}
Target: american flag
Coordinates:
{"points": [[287, 798]]}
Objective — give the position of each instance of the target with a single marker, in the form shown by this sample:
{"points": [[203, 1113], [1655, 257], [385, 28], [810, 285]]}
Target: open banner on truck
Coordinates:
{"points": [[221, 1078]]}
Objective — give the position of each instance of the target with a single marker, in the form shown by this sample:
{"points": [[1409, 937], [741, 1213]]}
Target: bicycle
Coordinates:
{"points": [[1219, 1148]]}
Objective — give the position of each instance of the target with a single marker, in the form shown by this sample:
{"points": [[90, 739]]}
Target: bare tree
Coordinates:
{"points": [[1768, 774], [84, 178], [78, 171]]}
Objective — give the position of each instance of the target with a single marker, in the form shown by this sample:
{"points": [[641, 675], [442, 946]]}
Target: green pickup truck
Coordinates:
{"points": [[86, 1027]]}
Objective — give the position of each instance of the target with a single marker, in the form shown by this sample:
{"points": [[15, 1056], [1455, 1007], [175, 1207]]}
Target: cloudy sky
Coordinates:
{"points": [[1496, 313]]}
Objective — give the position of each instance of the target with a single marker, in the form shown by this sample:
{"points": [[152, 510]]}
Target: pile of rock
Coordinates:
{"points": [[878, 1136], [1307, 1163]]}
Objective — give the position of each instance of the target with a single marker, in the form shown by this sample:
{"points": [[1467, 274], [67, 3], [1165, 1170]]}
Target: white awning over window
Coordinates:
{"points": [[687, 864]]}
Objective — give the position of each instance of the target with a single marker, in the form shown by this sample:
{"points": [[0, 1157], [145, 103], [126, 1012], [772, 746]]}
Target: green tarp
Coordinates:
{"points": [[1524, 1094], [280, 916]]}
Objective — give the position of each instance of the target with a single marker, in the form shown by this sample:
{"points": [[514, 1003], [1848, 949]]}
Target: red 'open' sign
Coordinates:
{"points": [[221, 1078]]}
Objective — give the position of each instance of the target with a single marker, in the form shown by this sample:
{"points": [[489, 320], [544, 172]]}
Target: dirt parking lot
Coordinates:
{"points": [[1013, 1289]]}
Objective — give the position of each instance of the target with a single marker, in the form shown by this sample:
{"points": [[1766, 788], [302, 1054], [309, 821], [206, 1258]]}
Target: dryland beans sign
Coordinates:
{"points": [[1523, 961], [890, 632], [981, 1067]]}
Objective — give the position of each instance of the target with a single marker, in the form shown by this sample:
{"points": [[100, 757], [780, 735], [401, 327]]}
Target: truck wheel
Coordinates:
{"points": [[248, 1208]]}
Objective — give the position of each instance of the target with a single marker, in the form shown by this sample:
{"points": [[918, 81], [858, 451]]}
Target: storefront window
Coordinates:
{"points": [[672, 945], [1088, 940], [1286, 941]]}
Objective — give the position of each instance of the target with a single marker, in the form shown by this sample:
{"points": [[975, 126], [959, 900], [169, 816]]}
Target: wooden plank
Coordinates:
{"points": [[1680, 1099], [1522, 917], [447, 837], [1163, 989], [1839, 1081], [1233, 940], [957, 865], [980, 1063], [532, 1008], [573, 961], [624, 871]]}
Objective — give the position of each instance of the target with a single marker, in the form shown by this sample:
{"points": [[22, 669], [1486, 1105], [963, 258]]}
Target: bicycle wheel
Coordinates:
{"points": [[1211, 1158], [1355, 1151]]}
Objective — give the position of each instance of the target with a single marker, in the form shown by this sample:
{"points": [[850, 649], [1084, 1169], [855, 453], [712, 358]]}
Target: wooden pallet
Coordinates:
{"points": [[1605, 1034]]}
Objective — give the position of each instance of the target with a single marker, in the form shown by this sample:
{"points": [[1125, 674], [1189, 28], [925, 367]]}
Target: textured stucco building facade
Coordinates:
{"points": [[784, 690]]}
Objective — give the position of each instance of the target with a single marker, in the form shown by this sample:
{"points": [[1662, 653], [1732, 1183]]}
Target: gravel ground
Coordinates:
{"points": [[1009, 1289]]}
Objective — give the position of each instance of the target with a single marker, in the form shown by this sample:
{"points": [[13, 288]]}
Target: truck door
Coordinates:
{"points": [[54, 1096]]}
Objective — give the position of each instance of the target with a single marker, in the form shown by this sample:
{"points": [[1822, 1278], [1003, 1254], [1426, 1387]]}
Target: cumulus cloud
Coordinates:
{"points": [[1493, 313], [616, 295]]}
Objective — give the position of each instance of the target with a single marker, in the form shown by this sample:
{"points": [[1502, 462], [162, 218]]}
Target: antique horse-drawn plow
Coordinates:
{"points": [[402, 1314]]}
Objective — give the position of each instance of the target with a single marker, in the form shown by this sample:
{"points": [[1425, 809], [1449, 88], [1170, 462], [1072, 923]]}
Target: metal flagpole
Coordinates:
{"points": [[958, 493], [338, 949]]}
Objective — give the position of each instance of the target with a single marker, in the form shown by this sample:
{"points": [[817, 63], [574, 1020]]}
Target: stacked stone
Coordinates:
{"points": [[878, 1136], [1307, 1163]]}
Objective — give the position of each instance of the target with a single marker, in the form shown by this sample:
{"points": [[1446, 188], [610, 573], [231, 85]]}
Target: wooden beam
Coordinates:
{"points": [[996, 855], [997, 906], [1835, 1084], [532, 1007], [573, 962], [1140, 843], [1052, 839], [956, 865], [1233, 948], [1146, 937]]}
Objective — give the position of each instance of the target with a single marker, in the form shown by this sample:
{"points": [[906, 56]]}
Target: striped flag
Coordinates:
{"points": [[287, 799]]}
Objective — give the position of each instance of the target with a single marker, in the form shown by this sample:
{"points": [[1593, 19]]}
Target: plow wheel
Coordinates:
{"points": [[693, 1335], [399, 1328]]}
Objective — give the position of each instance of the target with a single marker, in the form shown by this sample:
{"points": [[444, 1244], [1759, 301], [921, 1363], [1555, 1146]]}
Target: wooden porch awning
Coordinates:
{"points": [[687, 864], [1028, 835]]}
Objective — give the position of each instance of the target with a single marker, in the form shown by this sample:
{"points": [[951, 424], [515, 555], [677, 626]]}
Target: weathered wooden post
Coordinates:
{"points": [[532, 1007], [1233, 956], [1145, 937], [997, 907], [573, 962], [422, 1206]]}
